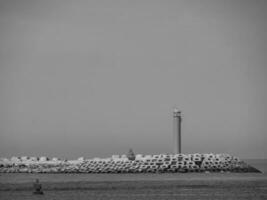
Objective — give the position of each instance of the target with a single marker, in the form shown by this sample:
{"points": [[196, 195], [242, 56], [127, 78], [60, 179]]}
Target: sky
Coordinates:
{"points": [[95, 78]]}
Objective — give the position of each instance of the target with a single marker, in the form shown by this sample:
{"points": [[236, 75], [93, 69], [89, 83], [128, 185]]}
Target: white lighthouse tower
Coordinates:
{"points": [[177, 119]]}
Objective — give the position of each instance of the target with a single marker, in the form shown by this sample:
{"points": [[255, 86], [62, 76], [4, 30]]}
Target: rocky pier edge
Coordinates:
{"points": [[162, 163]]}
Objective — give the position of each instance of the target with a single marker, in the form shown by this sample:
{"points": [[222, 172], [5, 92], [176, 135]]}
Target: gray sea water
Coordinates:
{"points": [[139, 186]]}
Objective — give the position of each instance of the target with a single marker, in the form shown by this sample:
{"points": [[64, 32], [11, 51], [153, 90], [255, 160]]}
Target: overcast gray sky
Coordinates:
{"points": [[94, 78]]}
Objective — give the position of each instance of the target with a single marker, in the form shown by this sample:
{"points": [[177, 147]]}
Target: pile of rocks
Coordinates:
{"points": [[121, 164]]}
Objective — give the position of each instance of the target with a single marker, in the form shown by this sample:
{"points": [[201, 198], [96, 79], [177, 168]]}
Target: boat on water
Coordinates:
{"points": [[37, 188]]}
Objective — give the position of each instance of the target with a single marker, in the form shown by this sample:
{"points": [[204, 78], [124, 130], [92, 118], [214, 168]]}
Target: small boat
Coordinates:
{"points": [[37, 188]]}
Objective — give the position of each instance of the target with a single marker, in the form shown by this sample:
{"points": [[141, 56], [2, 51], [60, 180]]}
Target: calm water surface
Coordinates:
{"points": [[139, 186]]}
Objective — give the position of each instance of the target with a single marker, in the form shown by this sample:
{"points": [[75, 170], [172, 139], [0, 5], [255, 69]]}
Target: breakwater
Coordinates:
{"points": [[162, 163]]}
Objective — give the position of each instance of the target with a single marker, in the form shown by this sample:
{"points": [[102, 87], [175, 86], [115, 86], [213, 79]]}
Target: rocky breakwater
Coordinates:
{"points": [[162, 163]]}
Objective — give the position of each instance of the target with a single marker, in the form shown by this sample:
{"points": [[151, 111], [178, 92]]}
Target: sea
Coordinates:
{"points": [[169, 186]]}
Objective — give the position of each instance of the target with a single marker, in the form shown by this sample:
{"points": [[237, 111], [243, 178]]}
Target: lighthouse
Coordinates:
{"points": [[177, 119]]}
